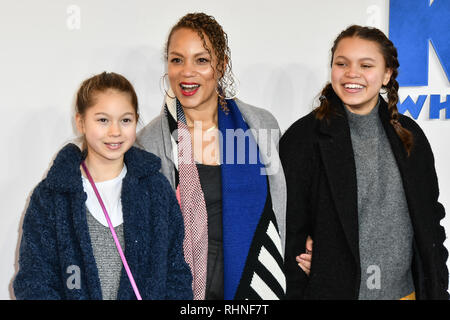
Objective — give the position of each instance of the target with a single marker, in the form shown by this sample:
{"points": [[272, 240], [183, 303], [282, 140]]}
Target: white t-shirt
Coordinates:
{"points": [[110, 192]]}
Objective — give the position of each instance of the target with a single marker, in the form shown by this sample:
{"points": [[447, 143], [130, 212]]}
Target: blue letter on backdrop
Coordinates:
{"points": [[436, 106], [411, 24], [414, 108]]}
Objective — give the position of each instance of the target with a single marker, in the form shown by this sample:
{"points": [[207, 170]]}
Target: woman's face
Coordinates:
{"points": [[191, 75], [357, 73]]}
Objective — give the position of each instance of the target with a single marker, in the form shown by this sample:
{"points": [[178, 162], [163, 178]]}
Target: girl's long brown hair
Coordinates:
{"points": [[389, 53]]}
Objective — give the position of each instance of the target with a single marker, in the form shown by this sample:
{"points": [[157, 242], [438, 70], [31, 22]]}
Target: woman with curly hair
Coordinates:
{"points": [[361, 181], [220, 157]]}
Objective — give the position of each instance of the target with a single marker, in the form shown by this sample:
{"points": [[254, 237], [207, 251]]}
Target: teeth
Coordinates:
{"points": [[190, 86], [353, 86]]}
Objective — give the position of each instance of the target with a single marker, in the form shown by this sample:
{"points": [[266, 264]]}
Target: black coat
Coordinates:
{"points": [[319, 166]]}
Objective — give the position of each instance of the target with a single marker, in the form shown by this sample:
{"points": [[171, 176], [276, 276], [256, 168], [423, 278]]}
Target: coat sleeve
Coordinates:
{"points": [[38, 277], [179, 278], [297, 169], [438, 213]]}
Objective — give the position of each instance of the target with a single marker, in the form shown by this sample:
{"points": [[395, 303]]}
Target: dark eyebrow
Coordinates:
{"points": [[175, 53], [202, 53], [362, 59], [371, 59], [105, 114], [196, 55]]}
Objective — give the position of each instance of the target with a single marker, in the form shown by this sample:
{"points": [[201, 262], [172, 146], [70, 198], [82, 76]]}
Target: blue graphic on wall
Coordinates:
{"points": [[413, 24], [414, 107]]}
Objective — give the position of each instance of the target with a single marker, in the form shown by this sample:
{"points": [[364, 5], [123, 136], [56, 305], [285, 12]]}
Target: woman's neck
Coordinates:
{"points": [[207, 116], [103, 169]]}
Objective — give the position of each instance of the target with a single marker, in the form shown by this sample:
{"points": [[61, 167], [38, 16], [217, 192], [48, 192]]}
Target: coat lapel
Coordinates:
{"points": [[338, 159], [166, 137], [396, 144], [406, 171], [131, 207], [268, 145], [400, 156]]}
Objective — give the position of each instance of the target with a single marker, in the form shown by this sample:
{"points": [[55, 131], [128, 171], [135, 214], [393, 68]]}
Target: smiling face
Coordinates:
{"points": [[358, 72], [190, 71], [109, 126]]}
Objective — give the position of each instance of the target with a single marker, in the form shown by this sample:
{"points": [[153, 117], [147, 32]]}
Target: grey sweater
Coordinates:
{"points": [[106, 256], [385, 230]]}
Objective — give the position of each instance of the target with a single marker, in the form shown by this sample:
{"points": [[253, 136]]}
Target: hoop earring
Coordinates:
{"points": [[162, 85]]}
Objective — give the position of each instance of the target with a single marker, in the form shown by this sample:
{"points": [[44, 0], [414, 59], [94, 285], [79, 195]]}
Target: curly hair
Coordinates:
{"points": [[206, 25], [389, 53]]}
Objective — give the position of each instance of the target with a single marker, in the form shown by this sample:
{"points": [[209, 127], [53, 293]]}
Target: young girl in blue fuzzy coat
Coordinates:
{"points": [[67, 250]]}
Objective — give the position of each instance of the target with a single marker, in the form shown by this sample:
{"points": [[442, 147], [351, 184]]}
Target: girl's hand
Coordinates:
{"points": [[304, 260]]}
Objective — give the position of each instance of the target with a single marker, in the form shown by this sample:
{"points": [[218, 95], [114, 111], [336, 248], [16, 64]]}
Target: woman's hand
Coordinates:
{"points": [[304, 260]]}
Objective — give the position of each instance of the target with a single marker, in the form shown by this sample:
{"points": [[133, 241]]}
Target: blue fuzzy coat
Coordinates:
{"points": [[56, 235]]}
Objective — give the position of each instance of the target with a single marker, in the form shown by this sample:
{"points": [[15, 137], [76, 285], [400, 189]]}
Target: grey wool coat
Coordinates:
{"points": [[156, 138]]}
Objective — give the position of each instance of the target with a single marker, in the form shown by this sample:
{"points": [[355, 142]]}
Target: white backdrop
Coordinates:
{"points": [[280, 53]]}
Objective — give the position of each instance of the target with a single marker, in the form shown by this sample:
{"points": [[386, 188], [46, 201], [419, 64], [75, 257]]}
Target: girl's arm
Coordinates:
{"points": [[438, 212], [38, 277]]}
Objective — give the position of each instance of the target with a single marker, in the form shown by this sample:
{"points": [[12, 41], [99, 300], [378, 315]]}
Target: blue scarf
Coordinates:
{"points": [[253, 263], [244, 193]]}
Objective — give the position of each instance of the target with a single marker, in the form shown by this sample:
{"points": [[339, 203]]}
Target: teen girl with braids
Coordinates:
{"points": [[361, 181], [233, 211]]}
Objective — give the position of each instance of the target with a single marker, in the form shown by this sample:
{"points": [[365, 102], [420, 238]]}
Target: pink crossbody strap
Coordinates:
{"points": [[116, 240]]}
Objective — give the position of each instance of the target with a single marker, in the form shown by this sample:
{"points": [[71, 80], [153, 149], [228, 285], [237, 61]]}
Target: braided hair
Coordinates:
{"points": [[389, 53]]}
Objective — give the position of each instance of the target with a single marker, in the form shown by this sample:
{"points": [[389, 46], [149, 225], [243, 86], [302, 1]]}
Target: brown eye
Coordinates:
{"points": [[175, 60]]}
